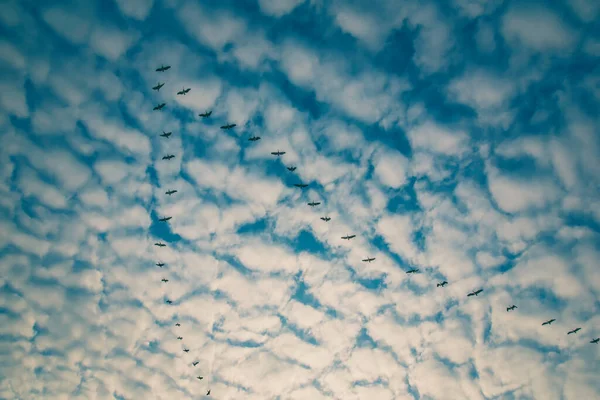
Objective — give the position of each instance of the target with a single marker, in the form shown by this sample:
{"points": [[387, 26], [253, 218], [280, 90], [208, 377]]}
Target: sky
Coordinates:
{"points": [[458, 138]]}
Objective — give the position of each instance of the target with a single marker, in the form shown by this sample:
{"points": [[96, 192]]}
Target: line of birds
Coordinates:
{"points": [[170, 192], [278, 154]]}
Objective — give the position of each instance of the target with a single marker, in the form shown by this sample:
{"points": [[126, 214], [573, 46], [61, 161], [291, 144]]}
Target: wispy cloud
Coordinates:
{"points": [[455, 140]]}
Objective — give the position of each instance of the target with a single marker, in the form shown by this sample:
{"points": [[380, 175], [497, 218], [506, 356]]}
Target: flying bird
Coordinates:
{"points": [[164, 280], [178, 324], [200, 377], [159, 244], [205, 114], [254, 138], [170, 192], [163, 68], [158, 86], [511, 308], [168, 157], [475, 293], [595, 341], [183, 91], [291, 169], [168, 302], [549, 322], [348, 237], [195, 363], [186, 350], [278, 153], [314, 203], [166, 134], [228, 126], [300, 185], [160, 265], [326, 219], [412, 271], [442, 284], [165, 219], [574, 331], [369, 259], [208, 393], [179, 338], [159, 107]]}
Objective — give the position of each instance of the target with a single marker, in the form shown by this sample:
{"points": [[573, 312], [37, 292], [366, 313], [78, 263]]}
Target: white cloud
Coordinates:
{"points": [[368, 96], [516, 195], [137, 9], [587, 10], [361, 25], [438, 139], [538, 29], [235, 182], [10, 55], [482, 91], [12, 98], [391, 168], [201, 97], [111, 42], [31, 185], [212, 28], [278, 8], [67, 23]]}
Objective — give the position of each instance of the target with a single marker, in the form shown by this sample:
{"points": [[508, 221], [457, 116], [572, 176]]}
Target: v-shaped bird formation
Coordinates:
{"points": [[278, 154]]}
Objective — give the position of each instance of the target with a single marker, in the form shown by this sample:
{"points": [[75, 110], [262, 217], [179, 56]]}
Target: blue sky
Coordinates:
{"points": [[459, 138]]}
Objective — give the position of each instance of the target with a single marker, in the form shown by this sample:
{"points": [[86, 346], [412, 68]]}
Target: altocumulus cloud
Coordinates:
{"points": [[457, 139]]}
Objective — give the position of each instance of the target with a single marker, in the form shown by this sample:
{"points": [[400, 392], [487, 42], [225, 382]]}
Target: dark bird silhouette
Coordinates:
{"points": [[163, 68], [442, 284], [475, 293], [574, 331], [549, 322], [511, 308]]}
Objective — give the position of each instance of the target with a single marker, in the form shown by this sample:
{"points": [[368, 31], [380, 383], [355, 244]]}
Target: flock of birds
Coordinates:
{"points": [[170, 192], [278, 154]]}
